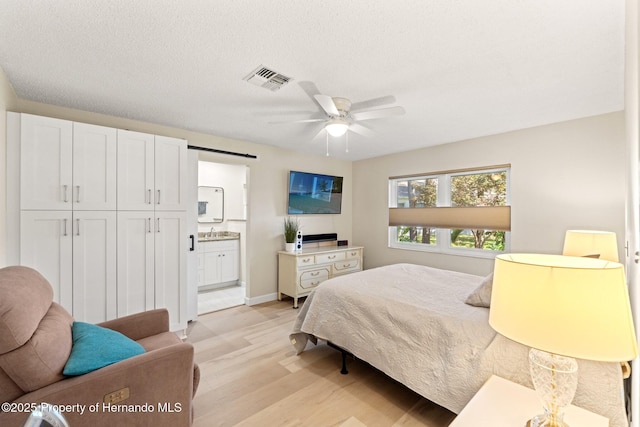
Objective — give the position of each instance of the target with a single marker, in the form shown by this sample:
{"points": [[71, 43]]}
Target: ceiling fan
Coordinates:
{"points": [[341, 115]]}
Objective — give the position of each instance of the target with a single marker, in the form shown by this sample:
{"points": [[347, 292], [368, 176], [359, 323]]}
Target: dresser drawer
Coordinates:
{"points": [[302, 261], [312, 278], [329, 257], [353, 253], [346, 266]]}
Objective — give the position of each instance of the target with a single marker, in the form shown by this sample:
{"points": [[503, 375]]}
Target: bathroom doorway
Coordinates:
{"points": [[221, 235]]}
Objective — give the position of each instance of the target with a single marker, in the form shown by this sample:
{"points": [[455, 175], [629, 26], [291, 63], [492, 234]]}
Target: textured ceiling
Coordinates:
{"points": [[460, 68]]}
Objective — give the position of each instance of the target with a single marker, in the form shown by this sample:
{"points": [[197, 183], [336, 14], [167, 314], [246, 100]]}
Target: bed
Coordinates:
{"points": [[412, 323]]}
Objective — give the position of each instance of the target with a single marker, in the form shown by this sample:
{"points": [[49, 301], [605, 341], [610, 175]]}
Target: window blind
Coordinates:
{"points": [[473, 217]]}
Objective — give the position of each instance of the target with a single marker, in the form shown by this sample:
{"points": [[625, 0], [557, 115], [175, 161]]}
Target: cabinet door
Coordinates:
{"points": [[94, 167], [94, 266], [170, 266], [211, 268], [170, 174], [229, 266], [135, 262], [45, 163], [135, 171], [46, 245]]}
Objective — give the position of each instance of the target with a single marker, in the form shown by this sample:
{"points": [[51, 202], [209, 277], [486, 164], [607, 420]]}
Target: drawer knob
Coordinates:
{"points": [[332, 256]]}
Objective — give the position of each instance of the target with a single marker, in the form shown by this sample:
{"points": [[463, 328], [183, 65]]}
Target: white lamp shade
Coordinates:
{"points": [[337, 127], [602, 244], [572, 306]]}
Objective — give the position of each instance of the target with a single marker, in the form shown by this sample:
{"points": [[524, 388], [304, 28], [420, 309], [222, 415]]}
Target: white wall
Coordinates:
{"points": [[267, 189], [232, 179], [8, 102], [563, 176]]}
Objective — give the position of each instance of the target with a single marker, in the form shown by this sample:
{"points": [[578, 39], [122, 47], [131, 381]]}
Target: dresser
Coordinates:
{"points": [[301, 271]]}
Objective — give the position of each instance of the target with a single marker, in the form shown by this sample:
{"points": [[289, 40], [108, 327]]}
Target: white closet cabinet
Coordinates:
{"points": [[66, 165], [100, 212], [76, 252], [151, 172], [46, 245], [151, 261]]}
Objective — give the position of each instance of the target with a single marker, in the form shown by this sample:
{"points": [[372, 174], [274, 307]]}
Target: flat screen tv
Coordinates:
{"points": [[312, 193]]}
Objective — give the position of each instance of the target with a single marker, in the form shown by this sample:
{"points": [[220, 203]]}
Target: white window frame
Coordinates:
{"points": [[443, 235]]}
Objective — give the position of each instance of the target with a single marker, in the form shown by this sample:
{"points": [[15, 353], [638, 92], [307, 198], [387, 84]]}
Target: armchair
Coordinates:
{"points": [[152, 389]]}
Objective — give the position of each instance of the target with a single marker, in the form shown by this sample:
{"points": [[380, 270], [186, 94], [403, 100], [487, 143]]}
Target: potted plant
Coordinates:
{"points": [[291, 227]]}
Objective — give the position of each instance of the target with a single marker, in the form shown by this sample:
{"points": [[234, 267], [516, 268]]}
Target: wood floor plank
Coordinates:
{"points": [[251, 376]]}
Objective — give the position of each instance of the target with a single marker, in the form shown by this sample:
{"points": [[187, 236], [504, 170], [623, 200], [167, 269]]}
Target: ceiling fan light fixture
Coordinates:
{"points": [[337, 127]]}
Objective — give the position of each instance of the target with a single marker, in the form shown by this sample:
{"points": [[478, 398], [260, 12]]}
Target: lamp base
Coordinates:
{"points": [[542, 421], [555, 379]]}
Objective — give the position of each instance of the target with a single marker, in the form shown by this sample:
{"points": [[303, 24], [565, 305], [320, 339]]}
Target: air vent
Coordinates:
{"points": [[267, 78]]}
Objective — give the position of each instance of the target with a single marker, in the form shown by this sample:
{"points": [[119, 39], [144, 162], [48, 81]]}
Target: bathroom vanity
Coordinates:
{"points": [[218, 259]]}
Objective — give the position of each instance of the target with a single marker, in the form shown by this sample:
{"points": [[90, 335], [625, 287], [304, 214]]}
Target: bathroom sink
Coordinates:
{"points": [[217, 235]]}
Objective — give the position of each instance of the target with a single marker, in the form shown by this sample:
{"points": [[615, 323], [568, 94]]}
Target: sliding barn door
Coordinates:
{"points": [[633, 187]]}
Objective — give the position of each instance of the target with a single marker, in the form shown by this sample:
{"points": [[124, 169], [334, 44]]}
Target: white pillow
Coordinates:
{"points": [[481, 296]]}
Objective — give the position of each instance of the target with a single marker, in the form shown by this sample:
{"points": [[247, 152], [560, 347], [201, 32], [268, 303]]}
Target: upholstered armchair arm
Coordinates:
{"points": [[140, 325], [162, 379]]}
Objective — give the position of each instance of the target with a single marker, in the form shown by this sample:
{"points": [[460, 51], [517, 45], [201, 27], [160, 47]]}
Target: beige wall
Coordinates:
{"points": [[563, 176], [268, 177], [8, 102]]}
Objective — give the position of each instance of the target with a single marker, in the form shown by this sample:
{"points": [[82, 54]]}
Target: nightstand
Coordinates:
{"points": [[502, 403]]}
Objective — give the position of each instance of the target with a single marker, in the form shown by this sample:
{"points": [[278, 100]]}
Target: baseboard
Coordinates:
{"points": [[261, 299]]}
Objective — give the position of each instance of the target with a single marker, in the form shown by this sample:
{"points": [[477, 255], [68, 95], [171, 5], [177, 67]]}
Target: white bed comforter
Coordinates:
{"points": [[411, 322]]}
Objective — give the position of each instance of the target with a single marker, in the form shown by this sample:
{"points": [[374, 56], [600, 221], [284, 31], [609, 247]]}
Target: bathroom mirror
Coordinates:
{"points": [[210, 204]]}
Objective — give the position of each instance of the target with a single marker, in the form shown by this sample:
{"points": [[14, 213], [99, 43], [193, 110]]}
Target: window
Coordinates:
{"points": [[451, 212]]}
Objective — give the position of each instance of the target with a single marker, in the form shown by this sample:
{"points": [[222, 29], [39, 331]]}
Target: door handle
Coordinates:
{"points": [[193, 243]]}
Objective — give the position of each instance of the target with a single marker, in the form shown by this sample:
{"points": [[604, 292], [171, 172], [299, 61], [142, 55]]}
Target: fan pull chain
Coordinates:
{"points": [[346, 135], [327, 144]]}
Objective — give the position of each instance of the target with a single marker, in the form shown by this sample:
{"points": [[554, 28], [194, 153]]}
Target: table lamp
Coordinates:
{"points": [[563, 307], [595, 244]]}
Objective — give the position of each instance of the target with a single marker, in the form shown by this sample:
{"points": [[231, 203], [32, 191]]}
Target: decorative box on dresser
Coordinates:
{"points": [[301, 271]]}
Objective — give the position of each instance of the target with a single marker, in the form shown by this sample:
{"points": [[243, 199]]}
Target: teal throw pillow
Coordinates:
{"points": [[95, 347]]}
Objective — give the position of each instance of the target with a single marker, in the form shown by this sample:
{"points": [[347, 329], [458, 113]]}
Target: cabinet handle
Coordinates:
{"points": [[77, 226], [65, 227], [306, 260], [148, 225], [158, 201], [157, 225], [331, 256], [149, 196], [77, 194], [315, 273], [65, 198]]}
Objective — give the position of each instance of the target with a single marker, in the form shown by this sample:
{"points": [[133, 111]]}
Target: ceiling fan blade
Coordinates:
{"points": [[375, 102], [298, 121], [326, 102], [309, 88], [361, 130], [378, 114]]}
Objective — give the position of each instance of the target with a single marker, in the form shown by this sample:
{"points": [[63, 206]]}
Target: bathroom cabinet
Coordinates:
{"points": [[219, 263]]}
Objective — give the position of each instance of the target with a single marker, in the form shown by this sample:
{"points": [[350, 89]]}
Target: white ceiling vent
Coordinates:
{"points": [[267, 78]]}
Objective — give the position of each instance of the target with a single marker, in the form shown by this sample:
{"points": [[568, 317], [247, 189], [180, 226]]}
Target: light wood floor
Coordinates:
{"points": [[251, 376]]}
